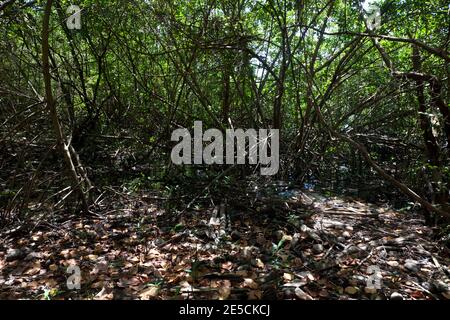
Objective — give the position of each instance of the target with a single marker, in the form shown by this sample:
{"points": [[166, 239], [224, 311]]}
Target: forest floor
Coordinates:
{"points": [[297, 245]]}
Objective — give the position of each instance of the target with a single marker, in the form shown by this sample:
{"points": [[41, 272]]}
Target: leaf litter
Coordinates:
{"points": [[301, 246]]}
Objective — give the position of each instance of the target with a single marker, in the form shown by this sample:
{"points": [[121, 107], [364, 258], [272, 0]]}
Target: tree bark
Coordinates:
{"points": [[64, 148], [425, 123]]}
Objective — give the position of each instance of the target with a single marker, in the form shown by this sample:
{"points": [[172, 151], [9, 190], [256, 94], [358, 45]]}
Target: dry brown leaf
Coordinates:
{"points": [[34, 270], [288, 276], [259, 263], [250, 283], [227, 265], [53, 267], [225, 290], [255, 295], [302, 295], [351, 290], [149, 293], [104, 294], [324, 293]]}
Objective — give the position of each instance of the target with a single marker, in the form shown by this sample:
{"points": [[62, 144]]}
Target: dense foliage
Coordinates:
{"points": [[137, 70]]}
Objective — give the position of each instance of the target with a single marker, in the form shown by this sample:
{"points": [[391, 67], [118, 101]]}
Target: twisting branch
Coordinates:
{"points": [[402, 187], [77, 182]]}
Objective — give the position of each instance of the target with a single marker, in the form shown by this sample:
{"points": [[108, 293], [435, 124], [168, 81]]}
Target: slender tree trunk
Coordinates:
{"points": [[51, 105], [278, 104], [431, 144], [436, 101], [226, 101], [425, 123]]}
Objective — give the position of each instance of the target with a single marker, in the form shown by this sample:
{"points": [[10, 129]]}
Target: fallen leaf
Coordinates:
{"points": [[104, 295], [34, 270], [53, 267], [351, 290], [149, 293], [393, 263], [225, 290], [446, 295], [255, 295], [258, 263], [370, 290], [227, 265], [288, 276], [302, 295], [250, 283], [324, 293]]}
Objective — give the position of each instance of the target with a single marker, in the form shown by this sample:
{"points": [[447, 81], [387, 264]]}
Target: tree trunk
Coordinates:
{"points": [[64, 148], [402, 187], [432, 147]]}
